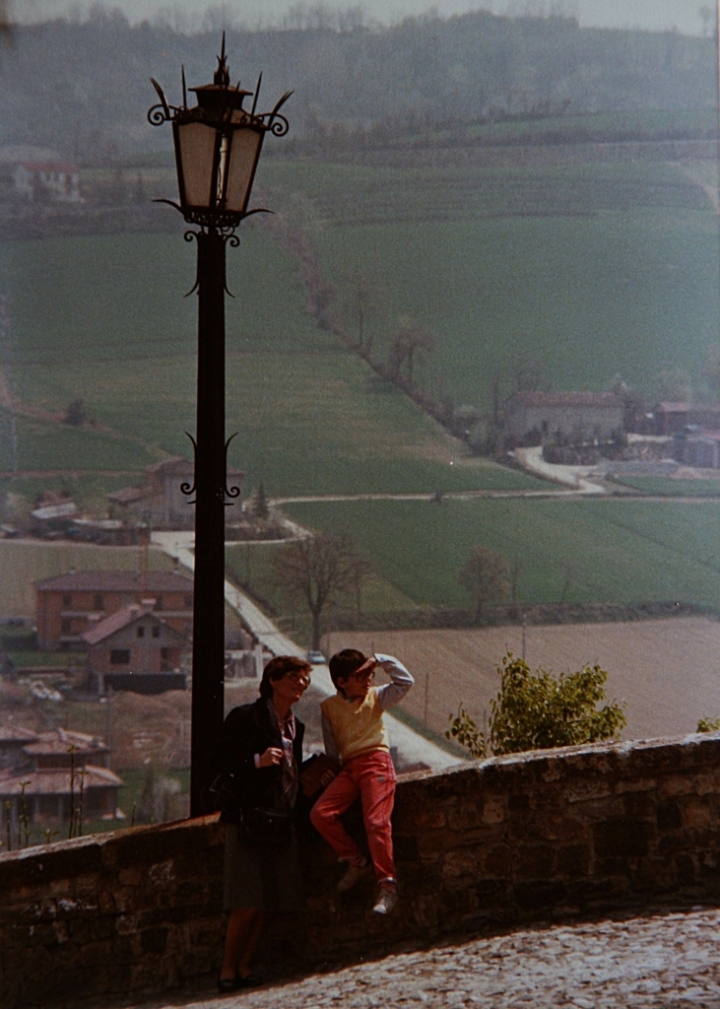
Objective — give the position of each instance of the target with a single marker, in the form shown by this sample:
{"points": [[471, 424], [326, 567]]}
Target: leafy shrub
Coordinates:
{"points": [[537, 711]]}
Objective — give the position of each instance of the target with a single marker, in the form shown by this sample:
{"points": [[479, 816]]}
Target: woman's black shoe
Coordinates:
{"points": [[228, 984], [249, 981]]}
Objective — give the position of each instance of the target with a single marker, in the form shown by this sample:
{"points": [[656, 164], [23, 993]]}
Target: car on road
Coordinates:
{"points": [[317, 658]]}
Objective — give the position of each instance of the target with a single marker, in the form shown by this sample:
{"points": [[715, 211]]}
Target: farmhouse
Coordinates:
{"points": [[134, 649], [579, 416], [701, 449], [161, 502], [44, 773], [67, 604]]}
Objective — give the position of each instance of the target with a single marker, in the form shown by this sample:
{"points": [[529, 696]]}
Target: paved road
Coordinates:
{"points": [[661, 962], [412, 747]]}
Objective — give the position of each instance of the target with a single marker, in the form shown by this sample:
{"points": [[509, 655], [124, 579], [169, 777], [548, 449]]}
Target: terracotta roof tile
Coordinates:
{"points": [[116, 581]]}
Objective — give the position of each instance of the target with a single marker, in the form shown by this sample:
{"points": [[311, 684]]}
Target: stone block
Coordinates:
{"points": [[538, 895], [534, 861], [582, 791], [154, 940], [621, 836], [573, 860], [466, 816], [460, 863], [497, 860], [699, 813], [668, 815], [559, 827], [494, 809]]}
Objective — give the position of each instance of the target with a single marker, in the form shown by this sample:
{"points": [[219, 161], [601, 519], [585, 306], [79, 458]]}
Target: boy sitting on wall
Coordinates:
{"points": [[355, 736]]}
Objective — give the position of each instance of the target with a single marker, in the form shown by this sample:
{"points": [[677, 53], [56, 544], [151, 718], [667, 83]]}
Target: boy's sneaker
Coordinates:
{"points": [[387, 899], [352, 875]]}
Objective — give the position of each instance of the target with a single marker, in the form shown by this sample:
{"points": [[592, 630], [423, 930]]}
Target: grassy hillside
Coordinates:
{"points": [[578, 299], [577, 272], [109, 324]]}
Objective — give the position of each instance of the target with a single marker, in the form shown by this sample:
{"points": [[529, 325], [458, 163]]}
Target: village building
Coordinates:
{"points": [[134, 649], [32, 173], [46, 775], [574, 416], [68, 604], [162, 503], [49, 181], [672, 418], [698, 448]]}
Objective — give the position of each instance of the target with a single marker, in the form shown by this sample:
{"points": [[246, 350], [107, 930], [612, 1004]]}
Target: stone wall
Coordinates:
{"points": [[580, 831]]}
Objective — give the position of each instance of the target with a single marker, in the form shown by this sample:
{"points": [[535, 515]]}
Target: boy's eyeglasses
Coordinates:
{"points": [[298, 678], [369, 674]]}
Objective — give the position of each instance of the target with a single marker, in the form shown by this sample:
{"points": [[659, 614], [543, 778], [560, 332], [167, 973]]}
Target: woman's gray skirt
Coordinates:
{"points": [[260, 876]]}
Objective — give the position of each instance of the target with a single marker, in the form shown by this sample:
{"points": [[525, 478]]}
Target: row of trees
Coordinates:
{"points": [[444, 70]]}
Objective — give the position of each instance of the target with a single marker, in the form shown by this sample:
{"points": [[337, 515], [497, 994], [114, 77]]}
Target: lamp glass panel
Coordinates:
{"points": [[244, 149], [197, 154]]}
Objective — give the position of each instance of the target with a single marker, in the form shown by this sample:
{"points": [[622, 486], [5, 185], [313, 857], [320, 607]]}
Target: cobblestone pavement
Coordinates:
{"points": [[656, 962]]}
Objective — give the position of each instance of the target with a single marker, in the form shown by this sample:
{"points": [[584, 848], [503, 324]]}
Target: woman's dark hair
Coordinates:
{"points": [[278, 667], [343, 663]]}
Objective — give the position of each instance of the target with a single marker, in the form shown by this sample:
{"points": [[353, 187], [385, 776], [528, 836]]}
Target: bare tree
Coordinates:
{"points": [[411, 341], [318, 572], [486, 576], [571, 573], [362, 299]]}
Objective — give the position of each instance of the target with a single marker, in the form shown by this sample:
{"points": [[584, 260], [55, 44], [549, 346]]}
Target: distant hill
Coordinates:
{"points": [[84, 87]]}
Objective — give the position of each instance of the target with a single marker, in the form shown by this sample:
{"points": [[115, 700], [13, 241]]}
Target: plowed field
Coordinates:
{"points": [[667, 671]]}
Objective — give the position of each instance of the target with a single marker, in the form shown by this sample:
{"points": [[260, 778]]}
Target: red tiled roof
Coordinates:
{"points": [[673, 408], [116, 581], [124, 618], [48, 166], [127, 495], [57, 781], [562, 399], [60, 741], [12, 734], [177, 466]]}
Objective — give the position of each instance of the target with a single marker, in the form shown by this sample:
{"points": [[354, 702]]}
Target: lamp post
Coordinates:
{"points": [[217, 148]]}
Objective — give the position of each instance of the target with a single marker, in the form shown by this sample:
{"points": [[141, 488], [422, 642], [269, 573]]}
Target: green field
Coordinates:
{"points": [[23, 562], [669, 486], [578, 300], [312, 418], [615, 551]]}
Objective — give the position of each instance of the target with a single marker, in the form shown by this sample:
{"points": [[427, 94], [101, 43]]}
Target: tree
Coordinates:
{"points": [[409, 344], [260, 505], [537, 711], [486, 576], [362, 299], [318, 572], [76, 413]]}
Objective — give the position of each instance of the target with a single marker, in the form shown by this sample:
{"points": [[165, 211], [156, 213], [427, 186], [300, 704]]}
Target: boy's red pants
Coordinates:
{"points": [[372, 777]]}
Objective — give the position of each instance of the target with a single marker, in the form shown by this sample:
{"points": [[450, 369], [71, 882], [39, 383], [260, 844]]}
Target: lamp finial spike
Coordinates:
{"points": [[222, 74]]}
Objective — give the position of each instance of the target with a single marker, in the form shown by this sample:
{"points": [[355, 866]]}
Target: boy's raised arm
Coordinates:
{"points": [[400, 681]]}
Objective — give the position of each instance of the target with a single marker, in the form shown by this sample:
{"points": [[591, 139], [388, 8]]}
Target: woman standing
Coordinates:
{"points": [[261, 753]]}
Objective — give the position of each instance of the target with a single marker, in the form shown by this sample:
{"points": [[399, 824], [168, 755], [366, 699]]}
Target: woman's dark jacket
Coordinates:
{"points": [[248, 730]]}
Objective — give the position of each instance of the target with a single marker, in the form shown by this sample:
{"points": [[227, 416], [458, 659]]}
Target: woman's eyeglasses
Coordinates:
{"points": [[298, 678]]}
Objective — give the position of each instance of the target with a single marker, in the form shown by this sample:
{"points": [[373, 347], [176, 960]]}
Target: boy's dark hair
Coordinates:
{"points": [[343, 663], [278, 667]]}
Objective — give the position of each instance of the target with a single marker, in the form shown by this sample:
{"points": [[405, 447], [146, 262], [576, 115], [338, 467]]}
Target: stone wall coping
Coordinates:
{"points": [[569, 761]]}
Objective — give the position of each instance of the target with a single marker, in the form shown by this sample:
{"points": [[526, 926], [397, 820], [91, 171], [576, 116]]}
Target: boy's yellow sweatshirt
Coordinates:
{"points": [[352, 728], [357, 727]]}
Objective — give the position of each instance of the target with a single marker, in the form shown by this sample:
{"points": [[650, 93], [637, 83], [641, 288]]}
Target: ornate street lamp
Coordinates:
{"points": [[217, 147]]}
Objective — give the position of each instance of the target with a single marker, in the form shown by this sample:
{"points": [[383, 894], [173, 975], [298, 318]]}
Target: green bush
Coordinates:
{"points": [[537, 711]]}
